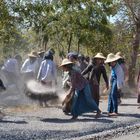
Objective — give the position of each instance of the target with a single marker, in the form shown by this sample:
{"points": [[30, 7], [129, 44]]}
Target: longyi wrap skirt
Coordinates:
{"points": [[83, 102]]}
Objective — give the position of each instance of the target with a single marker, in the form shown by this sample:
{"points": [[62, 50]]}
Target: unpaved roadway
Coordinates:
{"points": [[132, 136], [30, 122]]}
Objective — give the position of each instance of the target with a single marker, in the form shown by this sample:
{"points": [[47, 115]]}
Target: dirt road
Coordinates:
{"points": [[135, 136], [26, 122]]}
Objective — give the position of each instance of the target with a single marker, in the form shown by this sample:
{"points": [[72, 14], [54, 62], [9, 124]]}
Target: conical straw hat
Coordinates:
{"points": [[111, 58], [41, 51], [33, 54], [99, 55], [65, 62], [119, 55]]}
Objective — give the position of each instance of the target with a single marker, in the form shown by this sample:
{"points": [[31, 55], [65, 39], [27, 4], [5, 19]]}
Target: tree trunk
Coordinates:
{"points": [[69, 42], [132, 66], [78, 47], [45, 46]]}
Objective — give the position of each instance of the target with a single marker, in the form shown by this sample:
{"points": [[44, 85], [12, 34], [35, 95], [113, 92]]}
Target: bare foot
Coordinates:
{"points": [[113, 114], [109, 114]]}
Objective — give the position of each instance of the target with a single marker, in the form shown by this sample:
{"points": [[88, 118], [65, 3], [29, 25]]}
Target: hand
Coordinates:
{"points": [[105, 91], [107, 87], [69, 83]]}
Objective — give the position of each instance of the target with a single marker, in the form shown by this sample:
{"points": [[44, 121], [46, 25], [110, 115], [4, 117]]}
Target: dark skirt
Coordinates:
{"points": [[138, 89], [138, 98], [83, 102], [95, 92]]}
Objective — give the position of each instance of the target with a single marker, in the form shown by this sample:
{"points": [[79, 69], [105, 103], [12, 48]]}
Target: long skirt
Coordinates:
{"points": [[138, 92], [83, 102], [138, 98], [95, 93], [112, 99]]}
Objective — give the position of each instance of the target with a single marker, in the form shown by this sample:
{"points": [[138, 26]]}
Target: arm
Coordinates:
{"points": [[39, 72], [24, 66], [105, 77], [47, 70], [87, 69], [65, 79], [37, 66]]}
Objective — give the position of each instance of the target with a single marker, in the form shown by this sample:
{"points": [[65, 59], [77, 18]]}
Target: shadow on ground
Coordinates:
{"points": [[16, 122], [58, 120]]}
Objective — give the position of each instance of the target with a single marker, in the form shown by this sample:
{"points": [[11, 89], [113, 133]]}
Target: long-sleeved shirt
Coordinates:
{"points": [[96, 72], [47, 71], [29, 67], [82, 65], [11, 65], [78, 82], [66, 77]]}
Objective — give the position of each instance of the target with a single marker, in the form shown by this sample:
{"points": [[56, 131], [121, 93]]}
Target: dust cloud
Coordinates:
{"points": [[15, 93]]}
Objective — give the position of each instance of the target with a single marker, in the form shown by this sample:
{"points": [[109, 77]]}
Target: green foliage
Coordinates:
{"points": [[66, 25], [11, 40]]}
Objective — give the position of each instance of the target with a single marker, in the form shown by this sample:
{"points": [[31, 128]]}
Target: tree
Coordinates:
{"points": [[69, 25], [131, 10], [11, 39]]}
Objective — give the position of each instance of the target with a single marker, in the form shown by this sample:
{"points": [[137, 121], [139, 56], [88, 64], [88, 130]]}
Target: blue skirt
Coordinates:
{"points": [[83, 102]]}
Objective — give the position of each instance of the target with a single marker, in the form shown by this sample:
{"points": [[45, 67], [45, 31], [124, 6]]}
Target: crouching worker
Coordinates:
{"points": [[82, 100]]}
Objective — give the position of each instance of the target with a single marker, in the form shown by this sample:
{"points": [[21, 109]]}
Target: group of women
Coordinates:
{"points": [[84, 90], [81, 78]]}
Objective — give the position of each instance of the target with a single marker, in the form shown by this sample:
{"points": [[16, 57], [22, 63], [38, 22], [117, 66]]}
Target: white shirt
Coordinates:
{"points": [[29, 67], [40, 60], [47, 71], [120, 76], [11, 65]]}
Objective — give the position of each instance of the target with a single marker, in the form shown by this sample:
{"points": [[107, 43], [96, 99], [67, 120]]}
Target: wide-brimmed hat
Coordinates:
{"points": [[99, 55], [65, 62], [119, 55], [111, 58], [41, 51], [33, 54]]}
